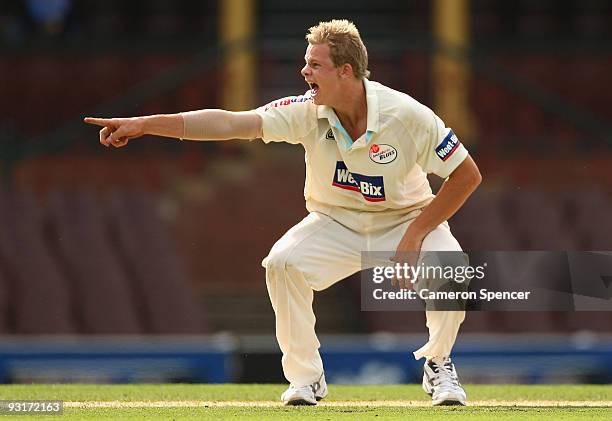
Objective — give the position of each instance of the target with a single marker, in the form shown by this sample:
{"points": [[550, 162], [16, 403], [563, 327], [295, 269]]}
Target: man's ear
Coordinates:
{"points": [[346, 70]]}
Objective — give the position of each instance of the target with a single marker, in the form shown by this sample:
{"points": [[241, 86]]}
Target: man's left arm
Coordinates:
{"points": [[452, 195]]}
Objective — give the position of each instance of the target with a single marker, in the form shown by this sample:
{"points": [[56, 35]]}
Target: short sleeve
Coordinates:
{"points": [[439, 150], [288, 119]]}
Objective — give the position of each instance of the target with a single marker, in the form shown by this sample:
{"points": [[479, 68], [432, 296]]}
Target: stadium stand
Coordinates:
{"points": [[545, 183], [107, 302], [150, 259], [41, 300], [5, 310]]}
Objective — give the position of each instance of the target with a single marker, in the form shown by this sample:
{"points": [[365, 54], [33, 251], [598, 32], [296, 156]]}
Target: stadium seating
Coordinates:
{"points": [[169, 305], [107, 302], [40, 296], [97, 241], [5, 308], [76, 263]]}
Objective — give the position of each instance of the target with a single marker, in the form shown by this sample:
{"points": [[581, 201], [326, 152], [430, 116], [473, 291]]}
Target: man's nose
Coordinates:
{"points": [[305, 70]]}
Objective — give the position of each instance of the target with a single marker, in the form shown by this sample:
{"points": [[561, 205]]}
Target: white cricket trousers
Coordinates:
{"points": [[315, 254]]}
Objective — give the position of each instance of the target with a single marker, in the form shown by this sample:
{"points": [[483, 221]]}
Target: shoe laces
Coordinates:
{"points": [[445, 377], [316, 385], [314, 388]]}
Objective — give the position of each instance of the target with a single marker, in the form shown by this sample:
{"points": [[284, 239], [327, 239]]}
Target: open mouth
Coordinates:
{"points": [[314, 88]]}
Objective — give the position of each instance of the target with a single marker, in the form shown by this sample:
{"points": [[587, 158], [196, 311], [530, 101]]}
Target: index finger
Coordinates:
{"points": [[104, 122]]}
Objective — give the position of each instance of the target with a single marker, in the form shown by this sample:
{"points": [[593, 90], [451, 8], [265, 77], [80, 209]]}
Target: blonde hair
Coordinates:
{"points": [[345, 44]]}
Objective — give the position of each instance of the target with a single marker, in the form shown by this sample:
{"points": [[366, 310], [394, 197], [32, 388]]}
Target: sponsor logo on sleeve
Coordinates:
{"points": [[330, 135], [372, 188], [287, 101], [448, 146], [382, 153]]}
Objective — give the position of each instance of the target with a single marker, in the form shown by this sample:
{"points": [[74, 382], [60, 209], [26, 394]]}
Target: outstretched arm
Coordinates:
{"points": [[194, 125]]}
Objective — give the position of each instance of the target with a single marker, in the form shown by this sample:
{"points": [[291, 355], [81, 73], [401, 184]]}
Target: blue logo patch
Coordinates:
{"points": [[449, 145], [372, 188]]}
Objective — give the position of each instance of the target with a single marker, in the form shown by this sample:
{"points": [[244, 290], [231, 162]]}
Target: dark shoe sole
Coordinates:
{"points": [[450, 403], [300, 402]]}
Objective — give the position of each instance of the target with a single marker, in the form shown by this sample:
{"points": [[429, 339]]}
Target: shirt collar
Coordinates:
{"points": [[372, 101], [324, 111]]}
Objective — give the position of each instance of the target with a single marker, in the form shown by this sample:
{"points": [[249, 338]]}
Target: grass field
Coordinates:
{"points": [[259, 402]]}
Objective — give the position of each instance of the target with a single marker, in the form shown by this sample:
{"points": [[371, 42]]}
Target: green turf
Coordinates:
{"points": [[242, 392], [348, 413], [337, 393]]}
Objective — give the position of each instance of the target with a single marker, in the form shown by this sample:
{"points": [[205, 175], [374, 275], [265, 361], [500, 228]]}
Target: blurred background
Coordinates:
{"points": [[143, 264]]}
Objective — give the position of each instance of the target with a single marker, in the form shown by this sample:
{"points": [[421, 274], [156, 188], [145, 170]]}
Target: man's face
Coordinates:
{"points": [[321, 74]]}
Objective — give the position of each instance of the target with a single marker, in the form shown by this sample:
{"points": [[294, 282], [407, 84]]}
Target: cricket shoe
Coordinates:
{"points": [[440, 381], [305, 395]]}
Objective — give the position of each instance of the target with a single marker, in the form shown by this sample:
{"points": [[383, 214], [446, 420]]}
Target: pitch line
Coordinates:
{"points": [[330, 404]]}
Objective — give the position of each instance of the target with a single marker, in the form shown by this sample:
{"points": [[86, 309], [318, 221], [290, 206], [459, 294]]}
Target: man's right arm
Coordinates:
{"points": [[210, 124]]}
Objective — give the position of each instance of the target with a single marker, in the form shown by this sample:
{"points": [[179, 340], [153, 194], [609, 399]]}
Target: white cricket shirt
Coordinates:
{"points": [[385, 169]]}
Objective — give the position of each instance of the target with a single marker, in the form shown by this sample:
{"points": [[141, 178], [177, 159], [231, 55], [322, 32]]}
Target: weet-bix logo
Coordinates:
{"points": [[449, 144], [371, 187]]}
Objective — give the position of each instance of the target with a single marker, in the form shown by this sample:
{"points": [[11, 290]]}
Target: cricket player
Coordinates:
{"points": [[368, 149]]}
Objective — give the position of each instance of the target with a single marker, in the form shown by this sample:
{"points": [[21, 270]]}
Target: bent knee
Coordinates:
{"points": [[440, 239], [274, 261], [280, 260], [286, 261]]}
